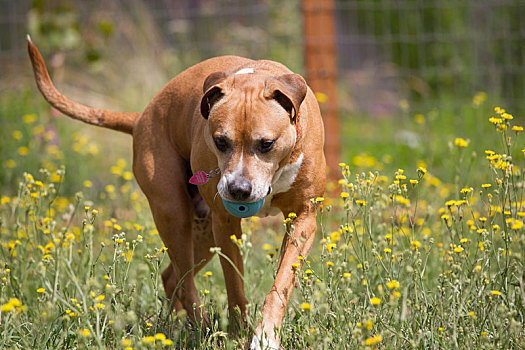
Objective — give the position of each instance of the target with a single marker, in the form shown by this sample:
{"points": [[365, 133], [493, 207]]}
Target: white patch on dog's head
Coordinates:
{"points": [[245, 71]]}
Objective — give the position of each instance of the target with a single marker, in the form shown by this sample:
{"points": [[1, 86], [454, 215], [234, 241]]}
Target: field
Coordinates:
{"points": [[420, 244]]}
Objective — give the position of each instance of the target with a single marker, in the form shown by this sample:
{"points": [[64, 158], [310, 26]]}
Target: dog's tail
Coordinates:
{"points": [[108, 119]]}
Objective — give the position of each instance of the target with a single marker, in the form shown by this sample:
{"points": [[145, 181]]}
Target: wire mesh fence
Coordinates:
{"points": [[433, 50], [419, 52]]}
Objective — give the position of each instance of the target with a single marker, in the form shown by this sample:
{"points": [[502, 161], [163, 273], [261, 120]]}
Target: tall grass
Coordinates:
{"points": [[403, 258]]}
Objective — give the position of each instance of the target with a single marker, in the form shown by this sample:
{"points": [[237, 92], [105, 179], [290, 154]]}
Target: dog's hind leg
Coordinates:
{"points": [[202, 242], [162, 175]]}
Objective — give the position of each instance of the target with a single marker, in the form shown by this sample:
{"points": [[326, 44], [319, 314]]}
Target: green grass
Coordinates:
{"points": [[397, 264]]}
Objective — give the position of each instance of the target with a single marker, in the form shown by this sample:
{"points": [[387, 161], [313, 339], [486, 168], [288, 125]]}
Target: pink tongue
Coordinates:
{"points": [[199, 178]]}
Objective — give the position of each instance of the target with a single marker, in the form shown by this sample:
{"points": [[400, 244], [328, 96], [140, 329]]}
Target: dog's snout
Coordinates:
{"points": [[240, 189]]}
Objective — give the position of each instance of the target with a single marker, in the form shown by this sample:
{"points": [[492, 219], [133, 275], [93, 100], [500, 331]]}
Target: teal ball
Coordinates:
{"points": [[241, 209]]}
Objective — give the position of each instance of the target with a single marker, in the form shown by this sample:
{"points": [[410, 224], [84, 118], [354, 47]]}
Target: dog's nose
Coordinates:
{"points": [[240, 189]]}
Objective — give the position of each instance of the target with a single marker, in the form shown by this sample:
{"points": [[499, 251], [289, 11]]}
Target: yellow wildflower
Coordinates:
{"points": [[479, 98], [393, 284], [29, 118], [321, 97], [148, 339], [376, 339], [419, 118], [84, 332], [23, 151], [466, 190], [7, 308], [375, 301], [460, 142], [495, 121], [415, 244]]}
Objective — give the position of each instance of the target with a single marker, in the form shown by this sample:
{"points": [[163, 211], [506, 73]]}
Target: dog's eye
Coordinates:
{"points": [[266, 145], [221, 143]]}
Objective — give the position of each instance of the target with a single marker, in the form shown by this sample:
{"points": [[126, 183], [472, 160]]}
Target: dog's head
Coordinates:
{"points": [[250, 128]]}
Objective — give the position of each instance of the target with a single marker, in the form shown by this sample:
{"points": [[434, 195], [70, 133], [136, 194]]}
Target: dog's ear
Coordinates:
{"points": [[213, 91], [289, 90]]}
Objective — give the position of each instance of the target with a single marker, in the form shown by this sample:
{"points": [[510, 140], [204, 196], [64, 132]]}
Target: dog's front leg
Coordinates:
{"points": [[297, 242], [224, 226]]}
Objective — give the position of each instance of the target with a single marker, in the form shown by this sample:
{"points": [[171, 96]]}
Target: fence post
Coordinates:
{"points": [[321, 72]]}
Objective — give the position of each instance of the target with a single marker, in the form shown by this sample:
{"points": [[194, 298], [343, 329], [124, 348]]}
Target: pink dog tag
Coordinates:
{"points": [[199, 178]]}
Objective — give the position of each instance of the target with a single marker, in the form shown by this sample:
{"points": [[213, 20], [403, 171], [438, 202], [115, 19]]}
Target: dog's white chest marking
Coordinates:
{"points": [[282, 181], [245, 71]]}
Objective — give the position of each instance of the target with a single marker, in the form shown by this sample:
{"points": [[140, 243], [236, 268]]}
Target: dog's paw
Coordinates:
{"points": [[265, 344]]}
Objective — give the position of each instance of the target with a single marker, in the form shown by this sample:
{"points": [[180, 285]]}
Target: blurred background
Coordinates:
{"points": [[411, 74]]}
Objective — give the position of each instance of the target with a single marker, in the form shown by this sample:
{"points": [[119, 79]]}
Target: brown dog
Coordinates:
{"points": [[261, 126]]}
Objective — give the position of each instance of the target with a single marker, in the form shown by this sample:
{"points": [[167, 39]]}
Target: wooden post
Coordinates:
{"points": [[321, 72]]}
